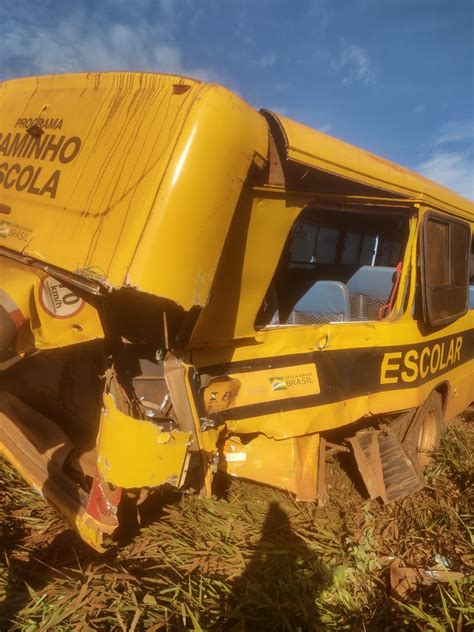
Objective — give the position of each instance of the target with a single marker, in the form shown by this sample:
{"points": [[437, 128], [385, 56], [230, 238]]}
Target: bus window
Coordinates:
{"points": [[326, 249], [445, 269], [395, 253], [471, 262], [337, 266], [369, 249], [471, 275], [304, 243], [351, 250]]}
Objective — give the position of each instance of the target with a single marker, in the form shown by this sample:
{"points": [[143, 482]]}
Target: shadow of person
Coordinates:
{"points": [[279, 588]]}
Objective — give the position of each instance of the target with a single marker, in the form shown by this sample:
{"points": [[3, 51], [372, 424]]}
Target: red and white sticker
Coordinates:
{"points": [[12, 309], [57, 300]]}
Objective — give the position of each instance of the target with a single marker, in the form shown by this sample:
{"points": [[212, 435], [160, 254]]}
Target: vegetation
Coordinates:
{"points": [[249, 559]]}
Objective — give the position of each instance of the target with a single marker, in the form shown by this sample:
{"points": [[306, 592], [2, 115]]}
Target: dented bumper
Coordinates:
{"points": [[131, 454], [139, 453]]}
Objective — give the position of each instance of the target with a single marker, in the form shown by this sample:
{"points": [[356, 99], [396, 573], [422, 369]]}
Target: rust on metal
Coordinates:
{"points": [[387, 470], [276, 176]]}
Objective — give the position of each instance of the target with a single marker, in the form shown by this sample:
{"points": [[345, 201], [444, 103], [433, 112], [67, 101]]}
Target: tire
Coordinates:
{"points": [[423, 436]]}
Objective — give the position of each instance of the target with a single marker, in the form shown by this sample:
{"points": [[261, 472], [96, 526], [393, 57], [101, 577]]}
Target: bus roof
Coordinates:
{"points": [[327, 154]]}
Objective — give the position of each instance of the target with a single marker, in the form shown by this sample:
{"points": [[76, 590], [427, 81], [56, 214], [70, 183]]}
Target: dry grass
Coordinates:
{"points": [[253, 560]]}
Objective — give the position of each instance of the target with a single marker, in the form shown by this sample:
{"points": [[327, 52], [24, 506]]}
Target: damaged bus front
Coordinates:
{"points": [[116, 195], [188, 285]]}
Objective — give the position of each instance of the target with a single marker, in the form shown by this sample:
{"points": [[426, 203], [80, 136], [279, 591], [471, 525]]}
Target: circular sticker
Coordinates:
{"points": [[57, 300]]}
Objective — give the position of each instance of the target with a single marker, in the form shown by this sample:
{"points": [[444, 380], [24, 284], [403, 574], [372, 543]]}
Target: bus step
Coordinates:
{"points": [[387, 470]]}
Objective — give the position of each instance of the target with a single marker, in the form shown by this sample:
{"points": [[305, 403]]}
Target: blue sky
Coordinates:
{"points": [[393, 76]]}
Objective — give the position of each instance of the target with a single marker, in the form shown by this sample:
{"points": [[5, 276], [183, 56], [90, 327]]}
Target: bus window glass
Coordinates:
{"points": [[437, 272], [395, 254], [368, 250], [336, 266], [385, 250], [459, 245], [471, 265], [351, 250], [326, 249], [303, 243], [446, 272]]}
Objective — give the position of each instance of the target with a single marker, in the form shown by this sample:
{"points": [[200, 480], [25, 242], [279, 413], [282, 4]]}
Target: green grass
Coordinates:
{"points": [[256, 560]]}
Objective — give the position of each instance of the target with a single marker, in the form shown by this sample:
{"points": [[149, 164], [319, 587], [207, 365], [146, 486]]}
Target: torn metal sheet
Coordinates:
{"points": [[295, 464], [38, 450], [103, 501], [387, 470], [138, 453], [42, 312]]}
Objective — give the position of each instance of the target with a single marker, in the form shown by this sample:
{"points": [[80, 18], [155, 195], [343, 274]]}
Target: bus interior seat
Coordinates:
{"points": [[324, 302], [369, 289]]}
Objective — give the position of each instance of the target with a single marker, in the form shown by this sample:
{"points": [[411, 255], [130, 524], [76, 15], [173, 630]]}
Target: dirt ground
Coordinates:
{"points": [[251, 558]]}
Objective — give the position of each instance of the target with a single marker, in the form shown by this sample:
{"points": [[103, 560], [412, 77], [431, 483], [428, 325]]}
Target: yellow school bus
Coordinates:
{"points": [[190, 286]]}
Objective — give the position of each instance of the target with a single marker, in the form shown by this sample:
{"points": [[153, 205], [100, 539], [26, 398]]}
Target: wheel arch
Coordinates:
{"points": [[444, 390]]}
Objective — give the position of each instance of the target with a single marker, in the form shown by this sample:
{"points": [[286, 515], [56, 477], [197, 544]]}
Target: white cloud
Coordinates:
{"points": [[82, 42], [454, 132], [453, 169], [451, 157], [355, 63], [268, 60]]}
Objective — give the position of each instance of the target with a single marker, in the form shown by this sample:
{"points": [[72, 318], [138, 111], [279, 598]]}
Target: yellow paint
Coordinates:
{"points": [[90, 529], [138, 453], [141, 181], [268, 385], [284, 463], [330, 416], [157, 161], [207, 440], [320, 151], [220, 394], [53, 315], [390, 364], [430, 360]]}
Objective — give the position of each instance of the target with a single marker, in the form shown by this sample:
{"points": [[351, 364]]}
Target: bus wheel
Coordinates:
{"points": [[424, 435]]}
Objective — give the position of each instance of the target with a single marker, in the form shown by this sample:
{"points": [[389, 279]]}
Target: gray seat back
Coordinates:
{"points": [[369, 289], [324, 302]]}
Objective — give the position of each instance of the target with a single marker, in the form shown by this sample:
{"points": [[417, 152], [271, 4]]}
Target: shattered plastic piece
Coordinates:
{"points": [[441, 561], [404, 580]]}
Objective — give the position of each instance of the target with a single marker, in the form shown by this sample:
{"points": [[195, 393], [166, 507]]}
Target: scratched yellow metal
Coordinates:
{"points": [[140, 180], [139, 171], [138, 453], [281, 463], [230, 322], [246, 389], [323, 417], [52, 315]]}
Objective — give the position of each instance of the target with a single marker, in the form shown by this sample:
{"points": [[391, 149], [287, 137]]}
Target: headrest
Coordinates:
{"points": [[374, 281]]}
